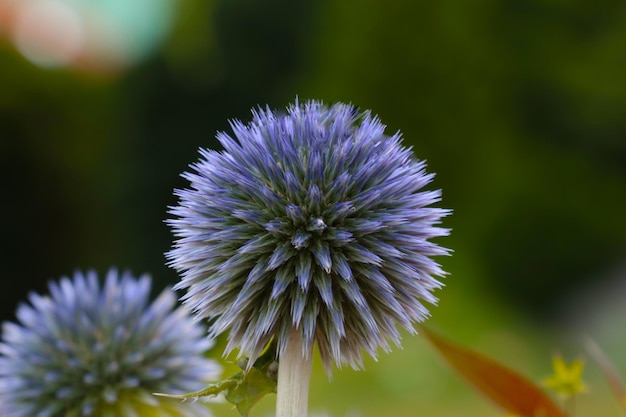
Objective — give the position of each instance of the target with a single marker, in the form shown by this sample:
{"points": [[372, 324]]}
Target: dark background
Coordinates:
{"points": [[518, 106]]}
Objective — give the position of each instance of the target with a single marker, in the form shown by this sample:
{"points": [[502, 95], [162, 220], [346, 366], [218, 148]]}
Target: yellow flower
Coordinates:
{"points": [[566, 380]]}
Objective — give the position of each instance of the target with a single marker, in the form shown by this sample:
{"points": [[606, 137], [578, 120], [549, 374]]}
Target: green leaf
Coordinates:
{"points": [[211, 390], [245, 388], [249, 391], [502, 385]]}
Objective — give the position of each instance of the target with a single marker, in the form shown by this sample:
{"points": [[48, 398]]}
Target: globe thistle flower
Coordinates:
{"points": [[87, 350], [314, 221]]}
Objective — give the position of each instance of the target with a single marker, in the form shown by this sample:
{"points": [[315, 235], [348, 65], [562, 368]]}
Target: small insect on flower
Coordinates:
{"points": [[313, 220], [87, 350]]}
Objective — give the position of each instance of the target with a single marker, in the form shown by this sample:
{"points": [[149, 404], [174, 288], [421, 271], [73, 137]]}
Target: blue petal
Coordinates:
{"points": [[301, 239], [282, 280], [281, 254], [321, 252], [341, 265], [303, 270]]}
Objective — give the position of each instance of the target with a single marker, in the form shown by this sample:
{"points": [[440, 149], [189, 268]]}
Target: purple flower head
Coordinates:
{"points": [[87, 350], [313, 219]]}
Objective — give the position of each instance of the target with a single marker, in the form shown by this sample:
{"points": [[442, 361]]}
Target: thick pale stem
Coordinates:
{"points": [[294, 374]]}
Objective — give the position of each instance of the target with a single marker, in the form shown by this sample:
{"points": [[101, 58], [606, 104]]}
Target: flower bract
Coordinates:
{"points": [[92, 350], [313, 219]]}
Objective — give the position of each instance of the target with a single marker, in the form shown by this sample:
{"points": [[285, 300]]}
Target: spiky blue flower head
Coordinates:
{"points": [[91, 350], [314, 219]]}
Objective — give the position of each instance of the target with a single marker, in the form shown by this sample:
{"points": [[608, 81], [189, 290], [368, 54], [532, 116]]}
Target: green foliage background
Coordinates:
{"points": [[519, 106]]}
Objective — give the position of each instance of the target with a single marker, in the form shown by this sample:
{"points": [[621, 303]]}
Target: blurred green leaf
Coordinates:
{"points": [[502, 385]]}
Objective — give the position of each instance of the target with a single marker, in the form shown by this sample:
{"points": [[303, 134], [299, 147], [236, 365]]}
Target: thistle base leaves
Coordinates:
{"points": [[244, 389]]}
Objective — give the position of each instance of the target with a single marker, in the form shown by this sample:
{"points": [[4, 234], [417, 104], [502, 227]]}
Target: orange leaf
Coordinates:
{"points": [[502, 385]]}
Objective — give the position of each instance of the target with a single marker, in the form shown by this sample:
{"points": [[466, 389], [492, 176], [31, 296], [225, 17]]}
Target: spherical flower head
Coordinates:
{"points": [[315, 220], [87, 350]]}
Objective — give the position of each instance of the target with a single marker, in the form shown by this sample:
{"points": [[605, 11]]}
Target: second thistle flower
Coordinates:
{"points": [[91, 350], [313, 219]]}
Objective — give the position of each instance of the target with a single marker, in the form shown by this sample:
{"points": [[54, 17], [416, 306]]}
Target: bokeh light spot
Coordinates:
{"points": [[49, 33]]}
